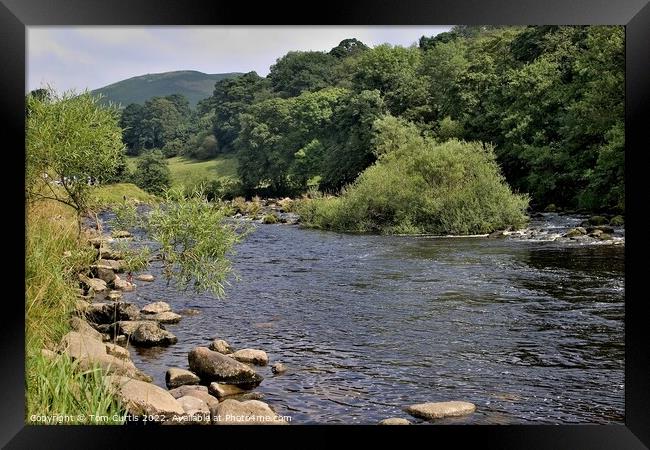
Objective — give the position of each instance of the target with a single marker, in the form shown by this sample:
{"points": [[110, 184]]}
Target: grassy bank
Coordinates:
{"points": [[54, 256], [115, 193]]}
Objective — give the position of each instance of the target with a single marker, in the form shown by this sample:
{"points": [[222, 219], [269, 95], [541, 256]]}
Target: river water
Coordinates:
{"points": [[529, 330]]}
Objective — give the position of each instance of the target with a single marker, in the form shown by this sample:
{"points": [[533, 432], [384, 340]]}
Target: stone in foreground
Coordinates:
{"points": [[156, 308], [142, 398], [395, 421], [123, 285], [176, 377], [250, 412], [224, 390], [438, 410], [186, 389], [220, 346], [251, 356], [213, 366], [196, 409]]}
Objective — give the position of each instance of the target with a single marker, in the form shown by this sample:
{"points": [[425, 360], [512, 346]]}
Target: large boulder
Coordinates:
{"points": [[165, 317], [176, 377], [92, 353], [150, 334], [437, 410], [250, 412], [142, 399], [156, 308], [251, 356], [95, 284], [213, 366], [220, 346]]}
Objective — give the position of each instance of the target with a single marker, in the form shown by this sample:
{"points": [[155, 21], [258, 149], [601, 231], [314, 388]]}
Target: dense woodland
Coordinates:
{"points": [[546, 101]]}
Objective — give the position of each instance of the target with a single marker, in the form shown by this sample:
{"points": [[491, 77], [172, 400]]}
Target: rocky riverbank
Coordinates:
{"points": [[218, 384]]}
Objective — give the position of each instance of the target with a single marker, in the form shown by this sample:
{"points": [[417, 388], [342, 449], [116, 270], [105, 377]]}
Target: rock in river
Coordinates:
{"points": [[278, 368], [156, 308], [221, 346], [123, 285], [141, 398], [145, 277], [213, 366], [224, 390], [395, 421], [186, 389], [95, 284], [252, 412], [437, 410], [150, 334], [252, 356], [176, 377], [165, 317]]}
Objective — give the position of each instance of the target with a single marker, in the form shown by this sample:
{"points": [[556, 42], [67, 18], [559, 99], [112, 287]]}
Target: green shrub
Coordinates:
{"points": [[270, 219], [420, 186], [617, 221], [152, 174]]}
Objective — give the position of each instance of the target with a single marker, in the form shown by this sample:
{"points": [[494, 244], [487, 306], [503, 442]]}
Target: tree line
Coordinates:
{"points": [[548, 99]]}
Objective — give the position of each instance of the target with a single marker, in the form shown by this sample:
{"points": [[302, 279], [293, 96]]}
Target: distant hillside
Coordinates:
{"points": [[192, 84]]}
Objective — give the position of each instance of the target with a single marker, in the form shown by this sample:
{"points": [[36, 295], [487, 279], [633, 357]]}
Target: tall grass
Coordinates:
{"points": [[54, 256]]}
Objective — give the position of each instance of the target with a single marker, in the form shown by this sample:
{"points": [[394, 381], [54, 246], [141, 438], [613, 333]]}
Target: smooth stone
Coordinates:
{"points": [[176, 377], [213, 366], [189, 312], [221, 346], [144, 399], [156, 308], [165, 317], [395, 421], [115, 265], [220, 390], [233, 412], [209, 400], [145, 277], [437, 410], [251, 356]]}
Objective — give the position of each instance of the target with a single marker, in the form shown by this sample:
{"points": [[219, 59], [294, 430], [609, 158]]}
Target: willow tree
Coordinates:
{"points": [[72, 141]]}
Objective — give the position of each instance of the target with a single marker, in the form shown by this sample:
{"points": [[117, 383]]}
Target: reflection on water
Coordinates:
{"points": [[531, 332]]}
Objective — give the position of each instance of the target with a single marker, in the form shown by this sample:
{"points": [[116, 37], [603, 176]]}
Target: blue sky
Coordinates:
{"points": [[92, 57]]}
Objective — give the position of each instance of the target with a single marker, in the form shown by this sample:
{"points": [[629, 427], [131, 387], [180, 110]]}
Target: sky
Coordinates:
{"points": [[93, 57]]}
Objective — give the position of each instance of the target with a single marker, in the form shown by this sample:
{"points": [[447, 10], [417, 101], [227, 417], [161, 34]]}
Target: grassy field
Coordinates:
{"points": [[115, 193], [190, 172]]}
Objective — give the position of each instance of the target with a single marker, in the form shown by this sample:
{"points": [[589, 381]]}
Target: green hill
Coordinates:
{"points": [[192, 84]]}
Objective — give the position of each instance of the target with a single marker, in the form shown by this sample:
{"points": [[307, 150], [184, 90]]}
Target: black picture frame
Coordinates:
{"points": [[16, 15]]}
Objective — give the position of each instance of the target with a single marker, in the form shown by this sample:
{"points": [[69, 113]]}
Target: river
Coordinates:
{"points": [[530, 330]]}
